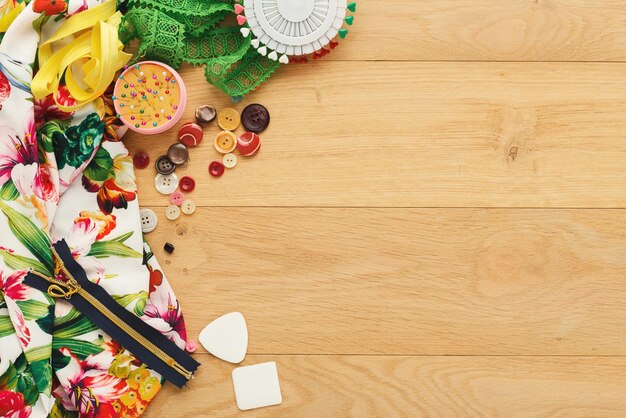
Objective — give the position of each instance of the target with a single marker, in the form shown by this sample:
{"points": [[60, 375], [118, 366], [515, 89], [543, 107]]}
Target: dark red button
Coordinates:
{"points": [[248, 144], [216, 168], [141, 160], [187, 184], [190, 134]]}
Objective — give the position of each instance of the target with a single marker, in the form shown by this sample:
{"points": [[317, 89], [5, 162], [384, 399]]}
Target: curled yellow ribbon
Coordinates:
{"points": [[96, 51], [11, 12]]}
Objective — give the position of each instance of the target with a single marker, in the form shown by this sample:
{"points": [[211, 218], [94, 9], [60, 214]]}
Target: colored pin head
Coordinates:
{"points": [[149, 97]]}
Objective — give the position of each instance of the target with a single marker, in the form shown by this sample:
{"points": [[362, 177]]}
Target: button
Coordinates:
{"points": [[248, 144], [166, 183], [172, 212], [229, 160], [148, 220], [190, 134], [164, 166], [205, 114], [187, 184], [255, 118], [216, 168], [141, 160], [225, 142], [168, 247], [177, 198], [228, 119], [178, 154], [188, 207]]}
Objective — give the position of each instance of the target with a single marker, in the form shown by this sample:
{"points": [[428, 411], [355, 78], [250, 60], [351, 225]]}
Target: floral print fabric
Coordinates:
{"points": [[67, 176]]}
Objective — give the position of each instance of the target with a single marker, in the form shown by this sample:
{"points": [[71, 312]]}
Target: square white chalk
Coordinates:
{"points": [[257, 386]]}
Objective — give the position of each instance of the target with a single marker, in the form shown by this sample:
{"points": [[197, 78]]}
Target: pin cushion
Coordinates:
{"points": [[149, 97]]}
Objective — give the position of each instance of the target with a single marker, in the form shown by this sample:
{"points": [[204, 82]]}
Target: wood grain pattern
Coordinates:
{"points": [[404, 281], [487, 30], [441, 135], [434, 224], [381, 386]]}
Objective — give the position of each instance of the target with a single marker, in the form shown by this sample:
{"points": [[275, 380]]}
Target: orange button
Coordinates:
{"points": [[225, 142]]}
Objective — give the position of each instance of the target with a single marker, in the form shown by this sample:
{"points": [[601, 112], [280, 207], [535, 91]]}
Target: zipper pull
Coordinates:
{"points": [[64, 289]]}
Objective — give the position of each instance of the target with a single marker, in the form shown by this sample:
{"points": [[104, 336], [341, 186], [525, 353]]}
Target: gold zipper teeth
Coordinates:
{"points": [[74, 287]]}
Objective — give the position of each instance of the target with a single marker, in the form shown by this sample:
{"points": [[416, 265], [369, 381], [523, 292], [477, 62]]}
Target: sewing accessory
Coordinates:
{"points": [[178, 153], [229, 160], [166, 183], [188, 207], [255, 118], [228, 119], [148, 220], [177, 198], [191, 346], [141, 160], [206, 114], [163, 165], [187, 184], [216, 168], [172, 212], [225, 142], [248, 144], [257, 386], [291, 31], [226, 337], [149, 97], [169, 248], [190, 134]]}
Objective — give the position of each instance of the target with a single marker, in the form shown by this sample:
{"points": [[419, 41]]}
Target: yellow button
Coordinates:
{"points": [[228, 119], [225, 142]]}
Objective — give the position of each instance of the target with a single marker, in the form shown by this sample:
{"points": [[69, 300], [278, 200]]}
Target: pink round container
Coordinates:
{"points": [[149, 97]]}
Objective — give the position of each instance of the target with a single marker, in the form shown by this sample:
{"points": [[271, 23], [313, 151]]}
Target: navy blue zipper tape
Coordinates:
{"points": [[176, 358]]}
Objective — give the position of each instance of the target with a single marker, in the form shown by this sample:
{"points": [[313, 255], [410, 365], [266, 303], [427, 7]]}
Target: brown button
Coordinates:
{"points": [[164, 166], [205, 114], [178, 154], [255, 118], [228, 119]]}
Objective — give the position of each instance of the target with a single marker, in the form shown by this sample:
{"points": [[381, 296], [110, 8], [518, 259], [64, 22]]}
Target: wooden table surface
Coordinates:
{"points": [[434, 226]]}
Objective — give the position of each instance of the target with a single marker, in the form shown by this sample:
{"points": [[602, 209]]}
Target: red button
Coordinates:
{"points": [[141, 160], [216, 168], [190, 134], [248, 144], [187, 184]]}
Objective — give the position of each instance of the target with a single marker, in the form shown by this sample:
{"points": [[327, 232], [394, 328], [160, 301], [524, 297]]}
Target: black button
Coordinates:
{"points": [[255, 118], [164, 166], [168, 247]]}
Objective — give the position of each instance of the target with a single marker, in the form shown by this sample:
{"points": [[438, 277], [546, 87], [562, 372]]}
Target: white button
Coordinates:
{"points": [[172, 212], [148, 220], [166, 183], [188, 207], [229, 160]]}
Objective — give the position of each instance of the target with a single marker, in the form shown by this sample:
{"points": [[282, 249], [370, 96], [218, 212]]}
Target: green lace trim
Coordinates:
{"points": [[195, 31]]}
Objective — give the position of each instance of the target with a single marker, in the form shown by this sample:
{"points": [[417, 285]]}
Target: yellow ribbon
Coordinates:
{"points": [[12, 12], [98, 51]]}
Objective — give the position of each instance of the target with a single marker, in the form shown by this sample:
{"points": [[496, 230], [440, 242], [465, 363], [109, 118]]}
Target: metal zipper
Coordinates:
{"points": [[66, 289]]}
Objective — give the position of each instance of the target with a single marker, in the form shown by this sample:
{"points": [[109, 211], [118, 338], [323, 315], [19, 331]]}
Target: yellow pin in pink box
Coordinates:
{"points": [[149, 97]]}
